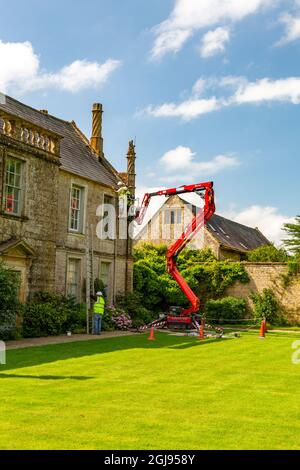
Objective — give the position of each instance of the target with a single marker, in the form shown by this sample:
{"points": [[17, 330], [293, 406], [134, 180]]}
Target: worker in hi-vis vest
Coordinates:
{"points": [[99, 306]]}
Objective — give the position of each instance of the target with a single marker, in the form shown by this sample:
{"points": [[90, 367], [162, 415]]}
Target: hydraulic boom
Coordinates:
{"points": [[206, 191]]}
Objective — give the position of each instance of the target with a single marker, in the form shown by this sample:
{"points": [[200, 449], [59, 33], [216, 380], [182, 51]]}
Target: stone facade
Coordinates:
{"points": [[39, 240], [160, 229], [37, 222], [72, 245], [268, 275]]}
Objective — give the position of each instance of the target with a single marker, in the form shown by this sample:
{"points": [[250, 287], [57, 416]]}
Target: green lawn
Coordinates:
{"points": [[174, 393]]}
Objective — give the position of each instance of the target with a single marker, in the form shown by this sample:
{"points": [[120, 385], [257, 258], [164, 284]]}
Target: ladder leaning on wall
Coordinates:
{"points": [[89, 286]]}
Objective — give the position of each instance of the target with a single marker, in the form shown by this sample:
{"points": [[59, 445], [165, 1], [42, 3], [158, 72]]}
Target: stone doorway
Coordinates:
{"points": [[17, 255]]}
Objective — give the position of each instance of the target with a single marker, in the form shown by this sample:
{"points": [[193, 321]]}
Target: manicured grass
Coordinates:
{"points": [[174, 393]]}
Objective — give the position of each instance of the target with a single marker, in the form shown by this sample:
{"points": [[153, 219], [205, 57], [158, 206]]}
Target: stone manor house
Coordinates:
{"points": [[52, 180]]}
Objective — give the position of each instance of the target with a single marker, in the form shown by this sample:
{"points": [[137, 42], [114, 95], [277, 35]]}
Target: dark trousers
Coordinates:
{"points": [[97, 324]]}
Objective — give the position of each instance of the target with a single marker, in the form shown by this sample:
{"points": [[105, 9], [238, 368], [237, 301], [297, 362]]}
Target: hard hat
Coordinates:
{"points": [[99, 293]]}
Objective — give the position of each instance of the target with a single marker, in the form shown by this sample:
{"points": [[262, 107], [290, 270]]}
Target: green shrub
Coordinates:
{"points": [[206, 276], [107, 323], [266, 306], [133, 304], [188, 257], [267, 254], [9, 303], [50, 314], [228, 308]]}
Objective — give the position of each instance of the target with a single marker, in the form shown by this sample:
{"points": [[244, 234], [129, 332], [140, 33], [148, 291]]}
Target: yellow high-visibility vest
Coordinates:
{"points": [[99, 305]]}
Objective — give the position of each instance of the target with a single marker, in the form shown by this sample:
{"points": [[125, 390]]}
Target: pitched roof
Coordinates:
{"points": [[235, 236], [76, 154], [229, 234]]}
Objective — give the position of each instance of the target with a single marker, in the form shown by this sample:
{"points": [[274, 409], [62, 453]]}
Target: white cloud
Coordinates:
{"points": [[292, 28], [20, 71], [18, 63], [241, 92], [187, 110], [199, 87], [214, 42], [267, 219], [189, 16], [177, 159], [286, 89], [179, 164]]}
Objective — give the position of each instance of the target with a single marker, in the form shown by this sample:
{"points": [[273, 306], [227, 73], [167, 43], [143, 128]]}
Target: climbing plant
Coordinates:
{"points": [[208, 277]]}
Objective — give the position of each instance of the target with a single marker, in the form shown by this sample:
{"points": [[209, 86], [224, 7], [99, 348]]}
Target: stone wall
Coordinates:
{"points": [[73, 245], [268, 275], [43, 226], [36, 224]]}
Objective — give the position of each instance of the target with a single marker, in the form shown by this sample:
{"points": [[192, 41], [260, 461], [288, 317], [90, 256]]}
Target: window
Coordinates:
{"points": [[76, 209], [195, 210], [73, 278], [13, 187], [167, 217], [173, 216], [178, 216], [105, 275]]}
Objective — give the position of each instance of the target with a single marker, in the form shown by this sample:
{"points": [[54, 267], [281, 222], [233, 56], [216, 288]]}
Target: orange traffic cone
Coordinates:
{"points": [[151, 336], [201, 332], [265, 326], [262, 333]]}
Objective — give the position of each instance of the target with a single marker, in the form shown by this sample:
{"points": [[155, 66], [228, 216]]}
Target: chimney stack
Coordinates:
{"points": [[96, 139], [131, 157]]}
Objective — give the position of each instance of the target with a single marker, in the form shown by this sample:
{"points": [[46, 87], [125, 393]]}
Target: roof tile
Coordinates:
{"points": [[76, 155]]}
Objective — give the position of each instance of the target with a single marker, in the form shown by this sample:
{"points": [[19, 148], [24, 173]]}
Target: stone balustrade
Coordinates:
{"points": [[32, 135]]}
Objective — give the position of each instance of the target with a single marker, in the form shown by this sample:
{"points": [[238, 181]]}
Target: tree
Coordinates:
{"points": [[267, 254], [293, 232]]}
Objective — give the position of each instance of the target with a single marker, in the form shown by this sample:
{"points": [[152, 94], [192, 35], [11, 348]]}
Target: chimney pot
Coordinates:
{"points": [[96, 139], [44, 111], [131, 157]]}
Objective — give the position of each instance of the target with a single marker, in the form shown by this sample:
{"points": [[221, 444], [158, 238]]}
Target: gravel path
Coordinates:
{"points": [[31, 342]]}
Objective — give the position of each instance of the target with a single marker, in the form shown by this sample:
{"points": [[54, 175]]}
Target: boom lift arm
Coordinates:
{"points": [[206, 191]]}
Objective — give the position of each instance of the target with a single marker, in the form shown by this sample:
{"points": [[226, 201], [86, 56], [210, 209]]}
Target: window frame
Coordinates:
{"points": [[19, 188], [81, 210], [78, 268], [108, 287], [173, 216]]}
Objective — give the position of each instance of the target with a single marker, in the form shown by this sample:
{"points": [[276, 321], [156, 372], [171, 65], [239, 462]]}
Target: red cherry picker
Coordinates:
{"points": [[177, 316]]}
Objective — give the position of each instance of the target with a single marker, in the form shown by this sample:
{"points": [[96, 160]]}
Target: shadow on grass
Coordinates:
{"points": [[27, 357], [43, 377]]}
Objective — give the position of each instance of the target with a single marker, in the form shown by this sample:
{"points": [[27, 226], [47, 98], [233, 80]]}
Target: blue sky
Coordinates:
{"points": [[209, 91]]}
